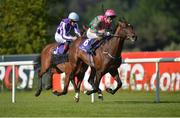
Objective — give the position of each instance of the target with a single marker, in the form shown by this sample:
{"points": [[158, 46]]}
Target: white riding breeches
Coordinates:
{"points": [[59, 38], [91, 35]]}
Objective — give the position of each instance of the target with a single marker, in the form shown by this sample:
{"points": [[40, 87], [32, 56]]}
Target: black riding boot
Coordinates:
{"points": [[94, 46], [66, 47]]}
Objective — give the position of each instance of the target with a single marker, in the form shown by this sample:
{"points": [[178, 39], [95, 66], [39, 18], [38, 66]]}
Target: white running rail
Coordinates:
{"points": [[156, 61], [13, 64]]}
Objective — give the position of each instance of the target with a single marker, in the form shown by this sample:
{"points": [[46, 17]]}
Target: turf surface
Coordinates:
{"points": [[123, 103]]}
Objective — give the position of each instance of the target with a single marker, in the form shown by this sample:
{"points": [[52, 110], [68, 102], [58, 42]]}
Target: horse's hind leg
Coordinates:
{"points": [[39, 89], [77, 89], [42, 71], [80, 77], [114, 73]]}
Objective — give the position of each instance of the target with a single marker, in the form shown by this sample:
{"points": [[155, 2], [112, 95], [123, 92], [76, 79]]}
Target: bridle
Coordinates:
{"points": [[115, 58]]}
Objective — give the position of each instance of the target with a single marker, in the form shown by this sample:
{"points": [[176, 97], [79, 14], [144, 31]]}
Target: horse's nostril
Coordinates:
{"points": [[134, 37]]}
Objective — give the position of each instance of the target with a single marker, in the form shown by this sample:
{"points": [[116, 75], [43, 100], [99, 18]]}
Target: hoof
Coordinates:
{"points": [[38, 93], [57, 93], [76, 99], [110, 91], [90, 92], [100, 98], [48, 87]]}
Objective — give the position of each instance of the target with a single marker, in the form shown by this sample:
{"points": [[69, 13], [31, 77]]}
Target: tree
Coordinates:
{"points": [[23, 28], [156, 23], [55, 10], [27, 26]]}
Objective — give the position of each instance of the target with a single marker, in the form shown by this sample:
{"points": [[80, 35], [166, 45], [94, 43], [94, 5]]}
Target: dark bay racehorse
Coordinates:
{"points": [[107, 58]]}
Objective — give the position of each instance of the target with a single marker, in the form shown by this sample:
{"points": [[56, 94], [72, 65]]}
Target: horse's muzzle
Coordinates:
{"points": [[133, 38]]}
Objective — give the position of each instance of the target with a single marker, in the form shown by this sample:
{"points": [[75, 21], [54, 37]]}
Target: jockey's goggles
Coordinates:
{"points": [[73, 21], [112, 17]]}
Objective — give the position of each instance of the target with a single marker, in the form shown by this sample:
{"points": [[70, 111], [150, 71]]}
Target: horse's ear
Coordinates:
{"points": [[122, 19]]}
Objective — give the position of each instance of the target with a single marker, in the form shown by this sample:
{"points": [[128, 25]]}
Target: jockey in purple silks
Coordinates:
{"points": [[62, 34]]}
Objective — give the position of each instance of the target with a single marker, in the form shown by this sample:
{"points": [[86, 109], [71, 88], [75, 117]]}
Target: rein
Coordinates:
{"points": [[115, 58], [115, 36], [108, 54], [112, 57]]}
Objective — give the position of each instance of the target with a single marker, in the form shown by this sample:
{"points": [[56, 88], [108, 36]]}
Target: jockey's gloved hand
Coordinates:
{"points": [[107, 33], [69, 40], [74, 38]]}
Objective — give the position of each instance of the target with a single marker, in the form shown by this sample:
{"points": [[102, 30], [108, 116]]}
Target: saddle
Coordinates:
{"points": [[58, 59], [60, 54]]}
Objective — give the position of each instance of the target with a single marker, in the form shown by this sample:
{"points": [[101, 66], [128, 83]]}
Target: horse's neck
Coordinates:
{"points": [[116, 44]]}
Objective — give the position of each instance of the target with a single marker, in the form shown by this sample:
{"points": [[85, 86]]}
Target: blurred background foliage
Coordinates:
{"points": [[26, 26]]}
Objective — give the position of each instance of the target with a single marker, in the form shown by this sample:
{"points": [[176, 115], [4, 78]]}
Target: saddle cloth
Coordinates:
{"points": [[86, 44], [59, 49]]}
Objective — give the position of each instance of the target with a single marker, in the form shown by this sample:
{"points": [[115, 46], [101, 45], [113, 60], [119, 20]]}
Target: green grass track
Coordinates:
{"points": [[122, 104]]}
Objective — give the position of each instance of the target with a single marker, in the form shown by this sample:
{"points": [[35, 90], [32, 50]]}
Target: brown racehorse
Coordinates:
{"points": [[107, 58], [45, 60]]}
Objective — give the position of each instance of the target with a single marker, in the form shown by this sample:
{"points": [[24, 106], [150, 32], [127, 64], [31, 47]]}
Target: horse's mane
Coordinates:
{"points": [[114, 30], [84, 30]]}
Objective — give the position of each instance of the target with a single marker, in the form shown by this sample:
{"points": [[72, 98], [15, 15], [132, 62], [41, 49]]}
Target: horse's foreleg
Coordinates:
{"points": [[115, 74], [100, 95], [91, 81], [67, 79], [95, 84], [66, 85]]}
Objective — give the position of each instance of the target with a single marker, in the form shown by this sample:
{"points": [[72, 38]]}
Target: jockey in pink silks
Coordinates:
{"points": [[63, 31], [100, 26]]}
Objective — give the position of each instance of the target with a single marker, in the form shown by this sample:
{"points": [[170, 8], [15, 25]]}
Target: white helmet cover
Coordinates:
{"points": [[73, 16]]}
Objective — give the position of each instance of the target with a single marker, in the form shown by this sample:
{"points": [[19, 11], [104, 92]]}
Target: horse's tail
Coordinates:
{"points": [[38, 63]]}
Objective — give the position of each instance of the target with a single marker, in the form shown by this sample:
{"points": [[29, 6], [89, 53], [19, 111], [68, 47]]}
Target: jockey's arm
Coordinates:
{"points": [[94, 26], [76, 30], [64, 34]]}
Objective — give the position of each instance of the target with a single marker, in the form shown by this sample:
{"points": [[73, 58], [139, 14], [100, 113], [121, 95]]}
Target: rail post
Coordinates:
{"points": [[157, 83], [13, 84], [13, 64]]}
